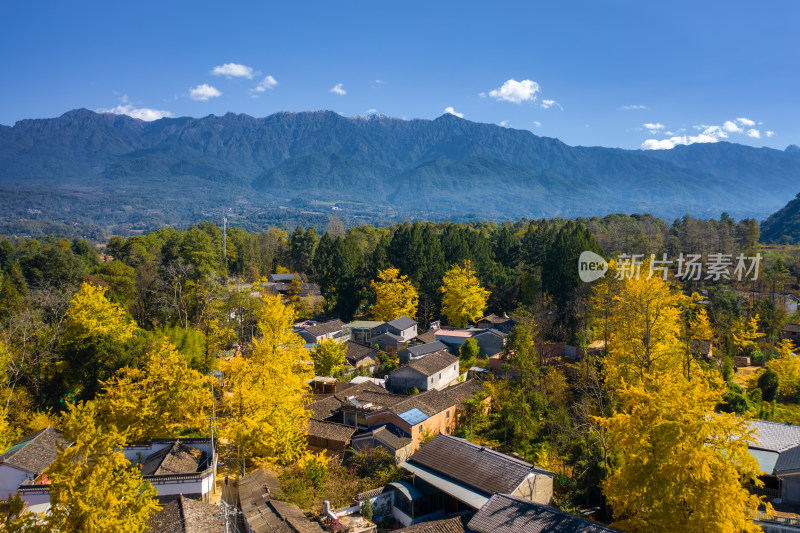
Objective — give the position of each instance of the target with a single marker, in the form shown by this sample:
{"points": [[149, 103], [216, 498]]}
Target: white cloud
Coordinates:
{"points": [[755, 134], [203, 92], [732, 127], [516, 91], [537, 123], [234, 70], [142, 113], [770, 133], [547, 104], [451, 111], [710, 134], [505, 123], [632, 108], [267, 83], [371, 111], [380, 82], [482, 94], [745, 121], [337, 89], [654, 126]]}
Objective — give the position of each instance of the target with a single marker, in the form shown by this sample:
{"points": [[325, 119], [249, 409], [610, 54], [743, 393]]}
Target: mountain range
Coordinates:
{"points": [[125, 174]]}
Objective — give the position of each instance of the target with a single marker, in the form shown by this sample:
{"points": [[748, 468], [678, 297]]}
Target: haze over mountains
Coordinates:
{"points": [[126, 174]]}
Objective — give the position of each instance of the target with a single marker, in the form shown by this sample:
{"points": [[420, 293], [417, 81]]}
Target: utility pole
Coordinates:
{"points": [[211, 420]]}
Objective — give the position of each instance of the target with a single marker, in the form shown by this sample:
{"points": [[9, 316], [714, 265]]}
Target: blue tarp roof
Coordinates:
{"points": [[414, 416]]}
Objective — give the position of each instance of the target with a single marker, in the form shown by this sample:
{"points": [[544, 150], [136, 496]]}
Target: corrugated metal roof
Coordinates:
{"points": [[464, 494], [775, 436], [407, 489]]}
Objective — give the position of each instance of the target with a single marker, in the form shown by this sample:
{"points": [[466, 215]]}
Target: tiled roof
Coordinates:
{"points": [[325, 328], [427, 337], [284, 277], [475, 466], [402, 323], [179, 458], [788, 461], [184, 515], [330, 430], [433, 363], [357, 351], [775, 436], [424, 349], [324, 408], [254, 500], [506, 514], [390, 439], [34, 453], [494, 319], [455, 524], [795, 328]]}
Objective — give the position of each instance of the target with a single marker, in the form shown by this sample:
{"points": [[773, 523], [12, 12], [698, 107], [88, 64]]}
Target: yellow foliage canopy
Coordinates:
{"points": [[158, 400], [463, 298], [396, 296], [681, 464], [264, 395], [91, 314]]}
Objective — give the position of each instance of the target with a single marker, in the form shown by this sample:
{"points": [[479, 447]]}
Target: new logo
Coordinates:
{"points": [[591, 266]]}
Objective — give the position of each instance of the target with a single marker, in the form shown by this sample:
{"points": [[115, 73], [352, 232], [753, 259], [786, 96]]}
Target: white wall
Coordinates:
{"points": [[10, 479]]}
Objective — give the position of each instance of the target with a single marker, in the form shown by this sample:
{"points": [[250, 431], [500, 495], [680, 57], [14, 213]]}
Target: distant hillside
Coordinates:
{"points": [[128, 175], [784, 225]]}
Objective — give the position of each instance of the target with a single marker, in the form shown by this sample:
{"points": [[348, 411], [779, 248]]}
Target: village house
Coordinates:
{"points": [[777, 450], [329, 436], [490, 341], [262, 513], [419, 351], [400, 447], [362, 331], [452, 475], [358, 355], [313, 335], [26, 460], [185, 515], [283, 278], [403, 327], [792, 333], [172, 466], [434, 371], [501, 323], [504, 513], [367, 407]]}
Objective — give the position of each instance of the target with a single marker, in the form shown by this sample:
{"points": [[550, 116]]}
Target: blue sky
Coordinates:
{"points": [[614, 73]]}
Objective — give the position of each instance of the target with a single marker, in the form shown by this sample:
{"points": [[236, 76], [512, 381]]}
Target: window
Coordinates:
{"points": [[431, 380], [447, 415], [440, 375], [454, 367]]}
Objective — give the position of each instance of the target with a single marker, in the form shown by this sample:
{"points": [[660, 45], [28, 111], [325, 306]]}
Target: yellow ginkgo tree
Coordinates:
{"points": [[396, 296], [161, 399], [463, 298], [263, 395], [673, 455]]}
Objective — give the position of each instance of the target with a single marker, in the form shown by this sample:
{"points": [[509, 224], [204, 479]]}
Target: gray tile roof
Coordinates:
{"points": [[455, 524], [433, 363], [179, 458], [424, 349], [506, 514], [325, 328], [357, 351], [788, 460], [330, 430], [474, 466], [402, 323], [184, 515], [34, 453], [775, 436]]}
